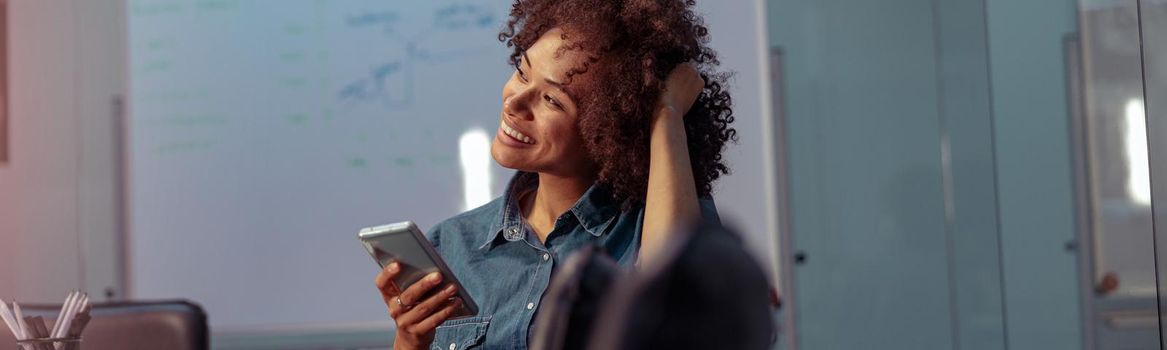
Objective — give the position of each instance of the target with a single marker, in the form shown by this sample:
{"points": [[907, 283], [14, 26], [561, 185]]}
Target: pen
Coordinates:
{"points": [[12, 324], [72, 311], [6, 315], [20, 321], [61, 315]]}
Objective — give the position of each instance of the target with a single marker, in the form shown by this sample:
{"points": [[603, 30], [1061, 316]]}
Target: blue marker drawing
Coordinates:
{"points": [[391, 83], [384, 19], [463, 16]]}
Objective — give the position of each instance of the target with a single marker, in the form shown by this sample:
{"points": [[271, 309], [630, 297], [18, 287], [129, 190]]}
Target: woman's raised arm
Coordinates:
{"points": [[671, 200]]}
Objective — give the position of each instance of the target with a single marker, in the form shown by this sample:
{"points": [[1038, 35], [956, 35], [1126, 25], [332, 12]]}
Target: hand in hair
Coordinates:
{"points": [[671, 200]]}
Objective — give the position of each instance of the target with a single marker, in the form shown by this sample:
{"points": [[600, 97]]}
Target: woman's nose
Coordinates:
{"points": [[517, 105]]}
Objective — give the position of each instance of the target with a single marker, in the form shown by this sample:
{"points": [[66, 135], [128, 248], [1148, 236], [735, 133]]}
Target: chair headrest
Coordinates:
{"points": [[706, 292]]}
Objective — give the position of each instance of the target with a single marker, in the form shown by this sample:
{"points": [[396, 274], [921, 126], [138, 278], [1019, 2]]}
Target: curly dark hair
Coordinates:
{"points": [[631, 47]]}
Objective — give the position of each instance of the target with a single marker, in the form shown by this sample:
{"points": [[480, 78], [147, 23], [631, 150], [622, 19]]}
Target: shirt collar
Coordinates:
{"points": [[594, 210]]}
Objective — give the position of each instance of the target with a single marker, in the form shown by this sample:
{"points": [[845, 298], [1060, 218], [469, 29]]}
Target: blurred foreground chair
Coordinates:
{"points": [[569, 309], [172, 325], [705, 292]]}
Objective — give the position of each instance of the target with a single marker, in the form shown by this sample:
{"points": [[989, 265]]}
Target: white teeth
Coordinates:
{"points": [[515, 134]]}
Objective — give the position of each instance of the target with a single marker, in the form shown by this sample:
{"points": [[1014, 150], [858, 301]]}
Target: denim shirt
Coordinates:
{"points": [[503, 266]]}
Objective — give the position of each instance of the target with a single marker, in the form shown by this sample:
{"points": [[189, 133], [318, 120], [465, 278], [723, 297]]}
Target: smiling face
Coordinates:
{"points": [[539, 129]]}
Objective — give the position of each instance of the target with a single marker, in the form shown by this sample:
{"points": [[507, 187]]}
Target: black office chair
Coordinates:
{"points": [[573, 300], [706, 292], [172, 324]]}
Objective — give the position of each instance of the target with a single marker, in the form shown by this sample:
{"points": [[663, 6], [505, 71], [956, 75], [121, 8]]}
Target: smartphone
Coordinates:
{"points": [[404, 243]]}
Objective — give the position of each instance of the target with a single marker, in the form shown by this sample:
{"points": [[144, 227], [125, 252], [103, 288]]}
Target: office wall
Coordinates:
{"points": [[38, 209], [58, 210]]}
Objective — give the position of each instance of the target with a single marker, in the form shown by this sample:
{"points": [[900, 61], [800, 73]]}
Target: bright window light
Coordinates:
{"points": [[474, 152], [1138, 183]]}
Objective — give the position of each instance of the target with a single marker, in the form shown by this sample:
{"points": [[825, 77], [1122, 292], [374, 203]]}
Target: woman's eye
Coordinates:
{"points": [[522, 75], [552, 101]]}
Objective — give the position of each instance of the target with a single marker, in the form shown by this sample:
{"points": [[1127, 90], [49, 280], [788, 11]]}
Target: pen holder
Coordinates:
{"points": [[49, 344]]}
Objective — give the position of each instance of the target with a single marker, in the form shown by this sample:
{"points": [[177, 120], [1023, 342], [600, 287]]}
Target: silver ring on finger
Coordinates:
{"points": [[404, 305]]}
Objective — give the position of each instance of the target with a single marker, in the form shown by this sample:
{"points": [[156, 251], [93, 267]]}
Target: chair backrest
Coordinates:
{"points": [[705, 292], [176, 324]]}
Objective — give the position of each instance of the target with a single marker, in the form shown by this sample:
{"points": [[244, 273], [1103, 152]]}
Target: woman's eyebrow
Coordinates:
{"points": [[562, 87], [558, 85]]}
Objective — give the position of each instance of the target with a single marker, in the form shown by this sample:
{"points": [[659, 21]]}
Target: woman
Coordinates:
{"points": [[615, 122]]}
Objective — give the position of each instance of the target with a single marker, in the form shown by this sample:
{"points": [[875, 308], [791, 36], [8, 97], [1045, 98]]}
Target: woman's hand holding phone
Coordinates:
{"points": [[418, 310]]}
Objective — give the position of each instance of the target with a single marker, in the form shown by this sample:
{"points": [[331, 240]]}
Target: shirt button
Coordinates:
{"points": [[452, 346], [530, 306], [514, 230], [546, 256]]}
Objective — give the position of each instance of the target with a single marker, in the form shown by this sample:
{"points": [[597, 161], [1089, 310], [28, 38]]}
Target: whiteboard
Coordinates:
{"points": [[263, 134]]}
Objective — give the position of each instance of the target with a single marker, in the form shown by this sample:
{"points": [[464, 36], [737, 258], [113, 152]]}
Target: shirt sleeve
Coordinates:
{"points": [[434, 235]]}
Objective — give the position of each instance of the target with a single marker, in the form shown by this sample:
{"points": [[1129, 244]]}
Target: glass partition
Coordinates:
{"points": [[968, 174]]}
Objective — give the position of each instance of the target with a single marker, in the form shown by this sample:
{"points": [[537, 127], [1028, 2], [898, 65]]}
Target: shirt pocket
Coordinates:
{"points": [[461, 334]]}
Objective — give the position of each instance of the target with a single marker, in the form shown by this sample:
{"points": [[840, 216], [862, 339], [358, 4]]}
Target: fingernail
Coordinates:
{"points": [[433, 276], [393, 267], [450, 289]]}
